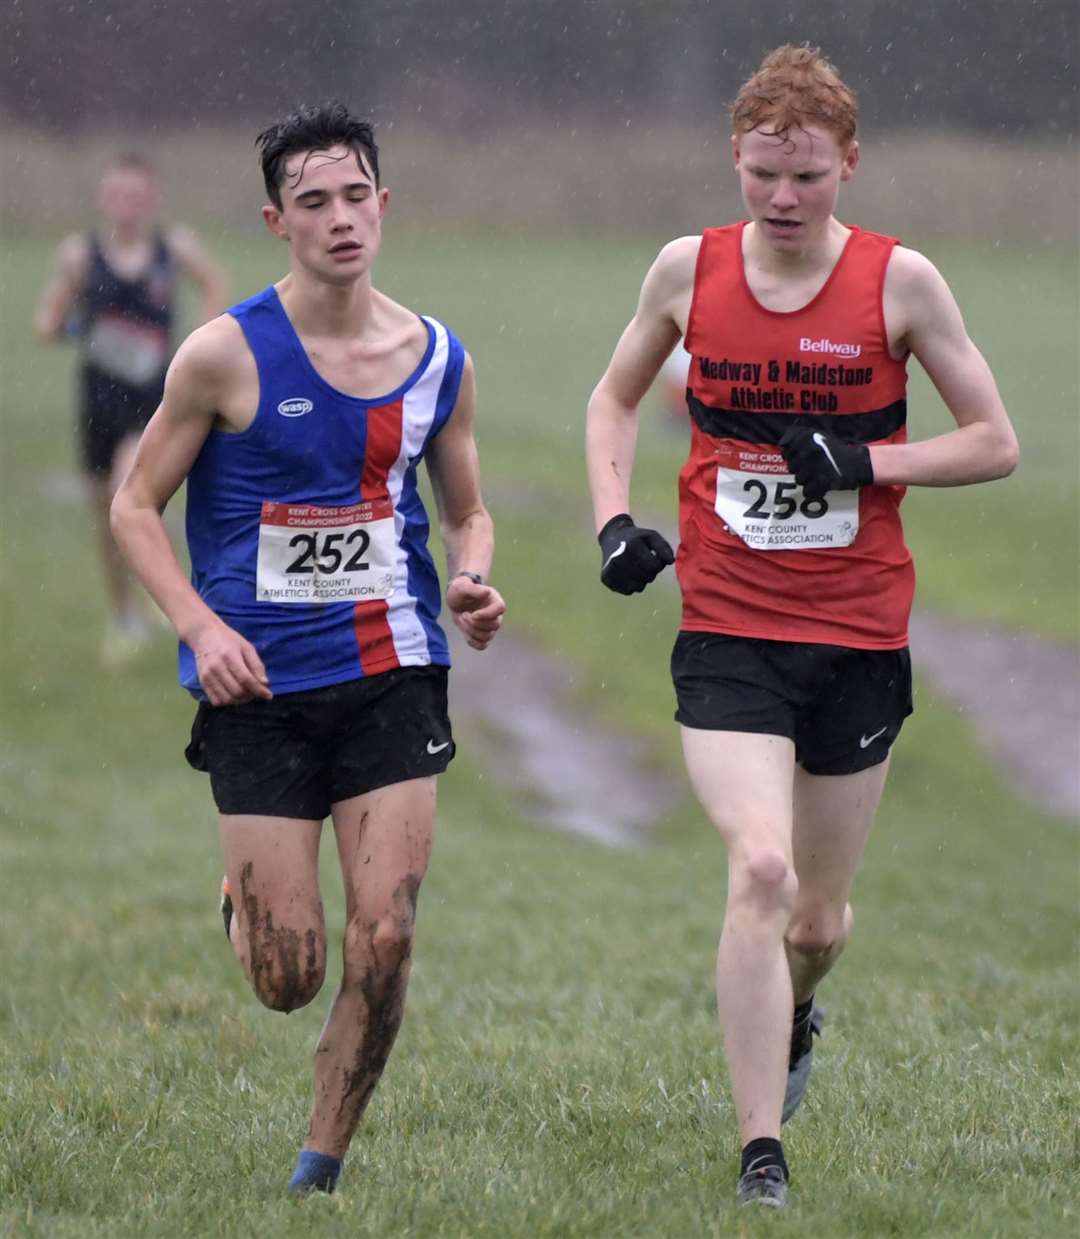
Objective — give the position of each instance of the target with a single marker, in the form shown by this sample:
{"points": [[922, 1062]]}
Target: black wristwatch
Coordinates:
{"points": [[475, 577]]}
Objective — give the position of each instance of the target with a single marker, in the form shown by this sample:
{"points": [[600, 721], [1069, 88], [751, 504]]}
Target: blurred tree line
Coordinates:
{"points": [[991, 66]]}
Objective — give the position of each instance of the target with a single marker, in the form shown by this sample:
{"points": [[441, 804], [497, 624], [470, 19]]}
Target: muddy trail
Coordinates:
{"points": [[1021, 694], [518, 708]]}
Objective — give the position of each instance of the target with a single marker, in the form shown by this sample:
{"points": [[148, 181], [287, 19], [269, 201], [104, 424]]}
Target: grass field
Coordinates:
{"points": [[559, 1070]]}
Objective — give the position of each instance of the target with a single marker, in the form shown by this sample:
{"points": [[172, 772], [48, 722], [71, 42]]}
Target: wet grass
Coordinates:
{"points": [[559, 1069]]}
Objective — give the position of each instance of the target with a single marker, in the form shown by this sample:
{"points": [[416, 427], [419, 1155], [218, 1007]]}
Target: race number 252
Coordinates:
{"points": [[329, 556], [318, 554]]}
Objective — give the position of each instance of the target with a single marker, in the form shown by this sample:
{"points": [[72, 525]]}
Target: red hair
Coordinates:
{"points": [[796, 87]]}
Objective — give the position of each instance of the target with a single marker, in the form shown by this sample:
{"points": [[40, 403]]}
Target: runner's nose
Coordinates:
{"points": [[784, 197], [340, 219]]}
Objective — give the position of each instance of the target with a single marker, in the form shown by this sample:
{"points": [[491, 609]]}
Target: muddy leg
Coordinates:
{"points": [[384, 841], [278, 932]]}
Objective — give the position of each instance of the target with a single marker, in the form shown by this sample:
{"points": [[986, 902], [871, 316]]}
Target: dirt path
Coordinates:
{"points": [[515, 705], [1021, 694]]}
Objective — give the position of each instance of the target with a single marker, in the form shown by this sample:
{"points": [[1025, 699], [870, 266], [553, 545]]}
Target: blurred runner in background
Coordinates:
{"points": [[114, 291], [671, 383]]}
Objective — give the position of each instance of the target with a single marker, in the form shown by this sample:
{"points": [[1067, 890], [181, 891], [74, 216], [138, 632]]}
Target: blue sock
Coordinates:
{"points": [[315, 1172]]}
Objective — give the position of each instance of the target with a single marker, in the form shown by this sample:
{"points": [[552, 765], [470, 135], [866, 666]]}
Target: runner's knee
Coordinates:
{"points": [[820, 929], [288, 968], [765, 875], [379, 948]]}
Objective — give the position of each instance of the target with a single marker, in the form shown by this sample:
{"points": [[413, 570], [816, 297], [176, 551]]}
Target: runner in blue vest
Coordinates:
{"points": [[309, 629]]}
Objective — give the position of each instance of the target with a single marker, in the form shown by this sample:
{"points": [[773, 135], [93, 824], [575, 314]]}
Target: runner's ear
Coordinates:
{"points": [[272, 219]]}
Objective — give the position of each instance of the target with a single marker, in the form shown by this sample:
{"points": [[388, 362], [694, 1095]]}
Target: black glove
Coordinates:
{"points": [[821, 462], [631, 557]]}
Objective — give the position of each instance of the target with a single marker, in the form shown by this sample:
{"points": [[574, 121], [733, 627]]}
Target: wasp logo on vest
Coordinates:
{"points": [[295, 406]]}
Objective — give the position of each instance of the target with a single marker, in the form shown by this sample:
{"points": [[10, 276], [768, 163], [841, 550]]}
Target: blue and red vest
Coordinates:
{"points": [[306, 531]]}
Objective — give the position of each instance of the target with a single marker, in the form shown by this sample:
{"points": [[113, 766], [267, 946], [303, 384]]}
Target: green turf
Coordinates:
{"points": [[559, 1069]]}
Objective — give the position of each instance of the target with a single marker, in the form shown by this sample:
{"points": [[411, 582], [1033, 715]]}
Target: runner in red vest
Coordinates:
{"points": [[791, 666]]}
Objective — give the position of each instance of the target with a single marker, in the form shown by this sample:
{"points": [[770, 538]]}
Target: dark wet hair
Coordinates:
{"points": [[309, 129]]}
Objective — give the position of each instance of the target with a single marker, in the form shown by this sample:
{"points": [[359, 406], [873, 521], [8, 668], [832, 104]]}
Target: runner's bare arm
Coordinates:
{"points": [[467, 529], [196, 262], [611, 420], [983, 446], [66, 282], [229, 668]]}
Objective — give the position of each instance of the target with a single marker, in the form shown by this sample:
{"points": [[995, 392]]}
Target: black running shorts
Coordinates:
{"points": [[842, 707], [109, 411], [300, 753]]}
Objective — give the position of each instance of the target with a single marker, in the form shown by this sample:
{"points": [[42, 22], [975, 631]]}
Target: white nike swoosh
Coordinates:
{"points": [[757, 1162], [434, 748], [866, 741], [819, 439], [614, 554]]}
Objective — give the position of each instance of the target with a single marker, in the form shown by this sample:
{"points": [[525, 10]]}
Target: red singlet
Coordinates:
{"points": [[758, 559]]}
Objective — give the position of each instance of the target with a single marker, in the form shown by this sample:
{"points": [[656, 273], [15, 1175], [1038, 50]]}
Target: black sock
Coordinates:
{"points": [[800, 1031], [803, 1012], [761, 1153]]}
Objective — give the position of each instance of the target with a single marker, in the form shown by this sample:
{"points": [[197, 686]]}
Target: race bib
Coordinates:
{"points": [[134, 353], [312, 554], [759, 501]]}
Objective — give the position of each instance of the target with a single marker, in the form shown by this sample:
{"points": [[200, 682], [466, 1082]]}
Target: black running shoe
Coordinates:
{"points": [[767, 1186], [799, 1064], [226, 907]]}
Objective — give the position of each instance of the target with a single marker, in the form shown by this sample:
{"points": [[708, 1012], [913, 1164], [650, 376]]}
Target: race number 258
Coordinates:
{"points": [[760, 502], [786, 499]]}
